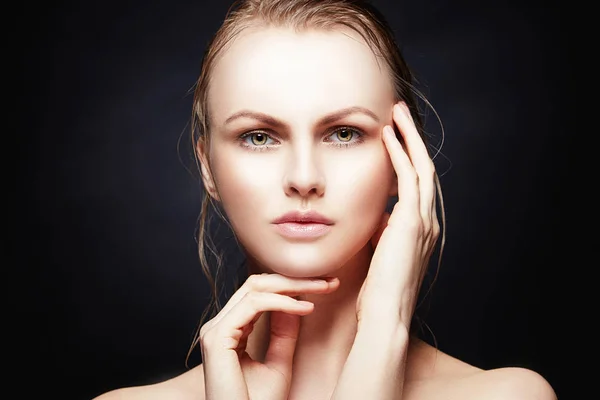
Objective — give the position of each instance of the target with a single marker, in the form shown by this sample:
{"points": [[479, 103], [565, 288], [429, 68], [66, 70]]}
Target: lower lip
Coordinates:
{"points": [[302, 230]]}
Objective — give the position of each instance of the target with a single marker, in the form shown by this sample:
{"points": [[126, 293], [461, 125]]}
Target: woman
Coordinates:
{"points": [[306, 124]]}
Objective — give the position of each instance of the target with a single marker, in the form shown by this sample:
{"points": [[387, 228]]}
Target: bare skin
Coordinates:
{"points": [[300, 164], [431, 375]]}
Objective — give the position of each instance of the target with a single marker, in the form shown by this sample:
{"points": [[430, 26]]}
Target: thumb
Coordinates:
{"points": [[282, 345]]}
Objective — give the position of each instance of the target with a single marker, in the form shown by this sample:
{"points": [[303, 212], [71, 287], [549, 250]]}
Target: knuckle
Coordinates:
{"points": [[251, 280], [252, 298], [203, 331], [426, 228], [205, 335], [254, 281], [436, 229]]}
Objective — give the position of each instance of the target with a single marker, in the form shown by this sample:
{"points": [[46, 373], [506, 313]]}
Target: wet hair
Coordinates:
{"points": [[297, 15]]}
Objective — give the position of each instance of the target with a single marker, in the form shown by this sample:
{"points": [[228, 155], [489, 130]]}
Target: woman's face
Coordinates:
{"points": [[290, 155]]}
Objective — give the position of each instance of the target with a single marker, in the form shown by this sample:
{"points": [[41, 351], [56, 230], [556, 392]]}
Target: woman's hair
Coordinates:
{"points": [[299, 15]]}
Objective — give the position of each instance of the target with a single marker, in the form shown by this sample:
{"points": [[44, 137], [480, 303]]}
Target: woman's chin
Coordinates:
{"points": [[307, 261], [305, 272], [304, 266]]}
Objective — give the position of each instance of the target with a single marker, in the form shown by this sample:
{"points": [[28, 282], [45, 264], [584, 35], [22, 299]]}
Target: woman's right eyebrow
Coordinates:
{"points": [[262, 117], [325, 120]]}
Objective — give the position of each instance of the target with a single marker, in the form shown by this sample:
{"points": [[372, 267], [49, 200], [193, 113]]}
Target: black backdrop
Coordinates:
{"points": [[111, 211]]}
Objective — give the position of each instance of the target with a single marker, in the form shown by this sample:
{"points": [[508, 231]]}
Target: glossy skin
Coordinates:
{"points": [[351, 334], [299, 79]]}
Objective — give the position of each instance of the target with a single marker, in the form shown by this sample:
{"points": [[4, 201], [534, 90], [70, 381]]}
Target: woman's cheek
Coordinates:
{"points": [[355, 195], [239, 188]]}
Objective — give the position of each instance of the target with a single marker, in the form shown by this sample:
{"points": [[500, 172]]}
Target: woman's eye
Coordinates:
{"points": [[256, 139], [343, 137], [344, 134]]}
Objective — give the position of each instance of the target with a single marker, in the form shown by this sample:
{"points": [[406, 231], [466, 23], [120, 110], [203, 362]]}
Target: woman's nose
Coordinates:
{"points": [[303, 175]]}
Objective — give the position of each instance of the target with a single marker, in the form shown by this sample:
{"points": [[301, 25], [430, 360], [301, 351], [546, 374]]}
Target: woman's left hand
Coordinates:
{"points": [[406, 238]]}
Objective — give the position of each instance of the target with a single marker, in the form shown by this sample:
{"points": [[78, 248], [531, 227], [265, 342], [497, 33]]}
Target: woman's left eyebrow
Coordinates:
{"points": [[325, 120]]}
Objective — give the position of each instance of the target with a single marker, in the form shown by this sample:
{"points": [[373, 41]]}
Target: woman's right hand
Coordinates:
{"points": [[229, 372]]}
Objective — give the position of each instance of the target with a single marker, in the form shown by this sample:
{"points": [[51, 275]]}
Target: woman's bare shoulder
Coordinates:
{"points": [[435, 374], [187, 386], [511, 383], [431, 374]]}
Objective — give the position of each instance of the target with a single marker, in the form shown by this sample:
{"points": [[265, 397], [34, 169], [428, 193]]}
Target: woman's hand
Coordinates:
{"points": [[406, 238], [229, 372], [375, 367]]}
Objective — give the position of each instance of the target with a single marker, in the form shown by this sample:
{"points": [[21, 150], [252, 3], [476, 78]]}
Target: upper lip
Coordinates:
{"points": [[303, 217]]}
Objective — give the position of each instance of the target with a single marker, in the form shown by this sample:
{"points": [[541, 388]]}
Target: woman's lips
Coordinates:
{"points": [[302, 230]]}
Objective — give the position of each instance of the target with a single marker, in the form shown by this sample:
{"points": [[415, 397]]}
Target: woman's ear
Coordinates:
{"points": [[207, 176]]}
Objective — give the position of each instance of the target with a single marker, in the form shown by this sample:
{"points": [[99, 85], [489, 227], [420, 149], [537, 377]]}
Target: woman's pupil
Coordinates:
{"points": [[344, 134]]}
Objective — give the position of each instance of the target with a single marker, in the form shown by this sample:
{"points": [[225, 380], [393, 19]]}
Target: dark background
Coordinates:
{"points": [[109, 212]]}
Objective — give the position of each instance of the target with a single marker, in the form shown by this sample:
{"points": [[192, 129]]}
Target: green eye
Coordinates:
{"points": [[344, 134], [344, 137], [261, 138]]}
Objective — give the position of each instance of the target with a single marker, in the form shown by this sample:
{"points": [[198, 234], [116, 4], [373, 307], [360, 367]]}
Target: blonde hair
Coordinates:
{"points": [[299, 15]]}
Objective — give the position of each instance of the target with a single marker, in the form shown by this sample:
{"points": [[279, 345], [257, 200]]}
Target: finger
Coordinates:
{"points": [[275, 283], [251, 306], [417, 151], [221, 344], [408, 191], [282, 344]]}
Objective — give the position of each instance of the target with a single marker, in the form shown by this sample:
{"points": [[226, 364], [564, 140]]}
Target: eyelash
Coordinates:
{"points": [[337, 144]]}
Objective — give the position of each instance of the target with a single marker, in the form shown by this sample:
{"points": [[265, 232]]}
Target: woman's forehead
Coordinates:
{"points": [[279, 68]]}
